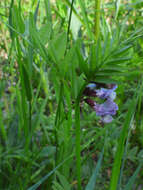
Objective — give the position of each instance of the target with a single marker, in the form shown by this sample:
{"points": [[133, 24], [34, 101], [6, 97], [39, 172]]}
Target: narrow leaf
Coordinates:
{"points": [[120, 147], [85, 18], [35, 186], [122, 51], [27, 83], [118, 60], [92, 181], [118, 3], [131, 181], [36, 12]]}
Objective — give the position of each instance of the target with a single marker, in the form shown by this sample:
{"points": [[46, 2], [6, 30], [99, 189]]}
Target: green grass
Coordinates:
{"points": [[49, 137]]}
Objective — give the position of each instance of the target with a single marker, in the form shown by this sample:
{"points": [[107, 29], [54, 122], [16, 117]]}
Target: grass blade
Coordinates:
{"points": [[118, 3], [92, 181], [36, 12], [78, 147], [2, 128], [120, 147], [35, 186], [97, 19], [48, 10], [133, 178], [78, 137], [85, 18]]}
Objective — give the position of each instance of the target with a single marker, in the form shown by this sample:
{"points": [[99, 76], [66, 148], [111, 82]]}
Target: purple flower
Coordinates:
{"points": [[91, 86], [107, 119], [106, 93], [107, 108]]}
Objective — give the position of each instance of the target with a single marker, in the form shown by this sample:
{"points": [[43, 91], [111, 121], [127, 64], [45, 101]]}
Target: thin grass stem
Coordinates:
{"points": [[97, 19]]}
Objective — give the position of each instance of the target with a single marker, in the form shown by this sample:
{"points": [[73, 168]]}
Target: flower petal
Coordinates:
{"points": [[107, 119], [107, 108], [105, 93], [91, 85]]}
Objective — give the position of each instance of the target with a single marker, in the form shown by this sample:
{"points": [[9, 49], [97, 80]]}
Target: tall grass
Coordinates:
{"points": [[50, 138]]}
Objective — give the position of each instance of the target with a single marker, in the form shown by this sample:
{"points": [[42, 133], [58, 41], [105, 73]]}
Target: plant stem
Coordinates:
{"points": [[97, 19], [78, 147], [69, 23], [78, 136], [30, 123]]}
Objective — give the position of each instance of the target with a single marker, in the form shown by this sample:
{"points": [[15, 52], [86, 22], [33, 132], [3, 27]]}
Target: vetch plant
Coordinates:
{"points": [[106, 109], [56, 72]]}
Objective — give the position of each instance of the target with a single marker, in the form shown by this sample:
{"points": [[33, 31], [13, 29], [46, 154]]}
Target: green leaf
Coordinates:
{"points": [[120, 147], [35, 186], [117, 68], [111, 73], [92, 181], [10, 19], [37, 119], [36, 12], [85, 18], [75, 26], [63, 181], [75, 10], [45, 33], [48, 10], [17, 20], [140, 155], [37, 42], [83, 66], [106, 80], [57, 46], [57, 186], [118, 3], [3, 131], [122, 51], [94, 57], [47, 151], [132, 153], [132, 179], [27, 83], [118, 60]]}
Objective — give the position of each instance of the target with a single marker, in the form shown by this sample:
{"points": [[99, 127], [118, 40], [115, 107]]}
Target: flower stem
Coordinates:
{"points": [[97, 19], [78, 136]]}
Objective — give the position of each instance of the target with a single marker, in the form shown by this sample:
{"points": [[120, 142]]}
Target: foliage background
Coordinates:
{"points": [[49, 137]]}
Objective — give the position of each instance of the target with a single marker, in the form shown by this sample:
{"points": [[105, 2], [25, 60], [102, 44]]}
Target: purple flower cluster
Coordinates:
{"points": [[106, 93], [106, 109]]}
